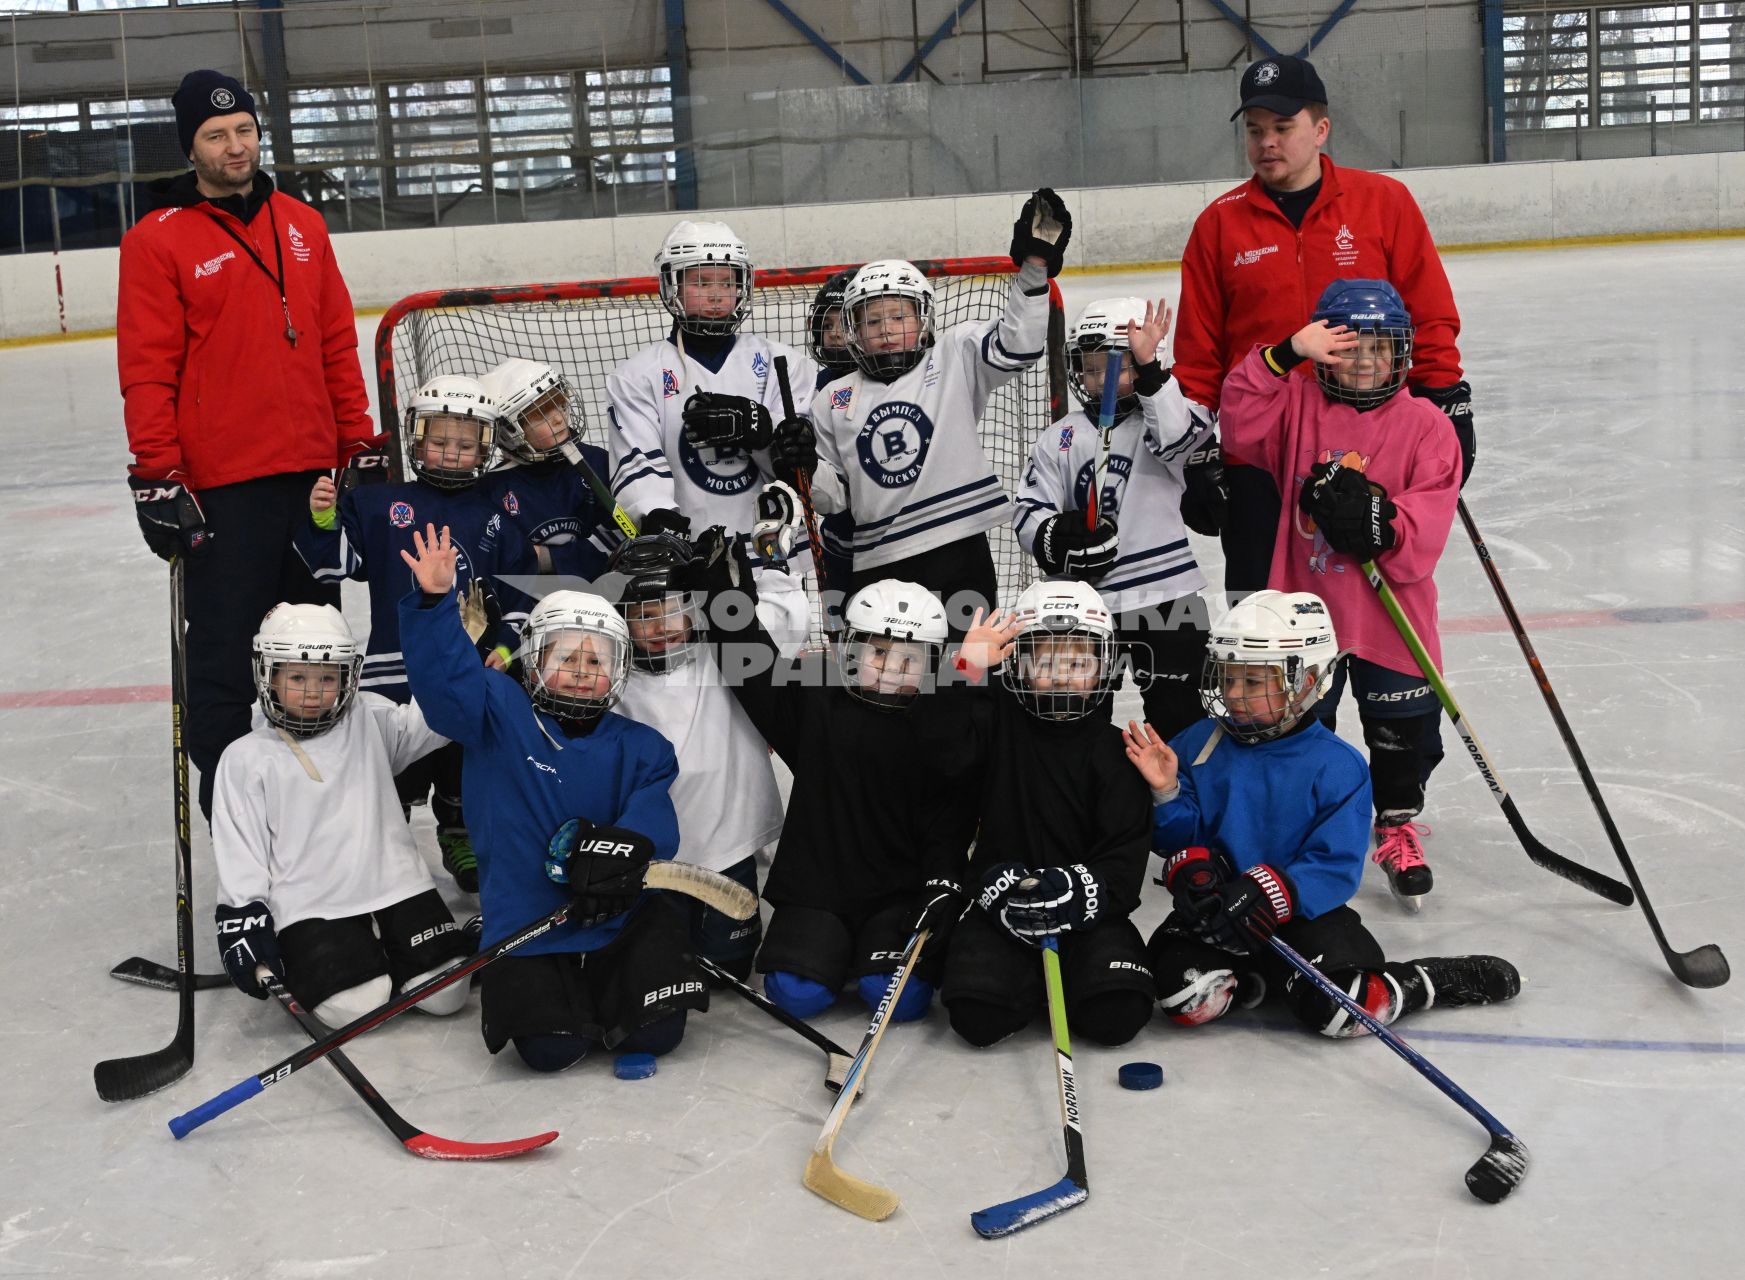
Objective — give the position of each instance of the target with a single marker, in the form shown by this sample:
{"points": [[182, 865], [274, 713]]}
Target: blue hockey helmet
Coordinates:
{"points": [[1373, 309]]}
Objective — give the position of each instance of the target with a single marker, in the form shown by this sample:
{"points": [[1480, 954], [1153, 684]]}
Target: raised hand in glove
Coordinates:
{"points": [[1043, 230], [1352, 512], [714, 421]]}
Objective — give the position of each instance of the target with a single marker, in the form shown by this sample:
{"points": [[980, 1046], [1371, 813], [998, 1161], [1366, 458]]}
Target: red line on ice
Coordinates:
{"points": [[104, 697]]}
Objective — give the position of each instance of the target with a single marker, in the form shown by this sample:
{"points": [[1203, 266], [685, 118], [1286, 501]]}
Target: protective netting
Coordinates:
{"points": [[585, 330]]}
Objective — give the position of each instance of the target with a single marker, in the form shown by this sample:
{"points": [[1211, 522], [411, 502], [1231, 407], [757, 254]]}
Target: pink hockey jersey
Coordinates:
{"points": [[1285, 426]]}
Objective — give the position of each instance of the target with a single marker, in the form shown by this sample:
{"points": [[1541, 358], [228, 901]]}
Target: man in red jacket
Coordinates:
{"points": [[238, 356], [1258, 259]]}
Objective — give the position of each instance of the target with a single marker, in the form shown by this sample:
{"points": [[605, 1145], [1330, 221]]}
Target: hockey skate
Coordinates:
{"points": [[1401, 855], [1457, 981], [458, 858]]}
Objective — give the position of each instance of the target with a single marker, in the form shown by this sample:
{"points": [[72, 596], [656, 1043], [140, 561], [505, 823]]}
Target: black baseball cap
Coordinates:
{"points": [[1284, 85]]}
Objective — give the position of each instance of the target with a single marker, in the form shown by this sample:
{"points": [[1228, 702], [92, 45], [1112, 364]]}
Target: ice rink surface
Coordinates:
{"points": [[1609, 486]]}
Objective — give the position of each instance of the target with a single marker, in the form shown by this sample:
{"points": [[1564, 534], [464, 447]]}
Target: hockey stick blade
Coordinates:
{"points": [[410, 1136], [711, 888], [857, 1195], [149, 973], [838, 1061], [1594, 882], [1003, 1219], [1499, 1170], [123, 1079]]}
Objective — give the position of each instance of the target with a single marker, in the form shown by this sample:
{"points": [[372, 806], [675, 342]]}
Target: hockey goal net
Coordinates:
{"points": [[587, 328]]}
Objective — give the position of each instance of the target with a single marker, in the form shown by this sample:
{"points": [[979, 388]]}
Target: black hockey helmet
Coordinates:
{"points": [[829, 297], [658, 608]]}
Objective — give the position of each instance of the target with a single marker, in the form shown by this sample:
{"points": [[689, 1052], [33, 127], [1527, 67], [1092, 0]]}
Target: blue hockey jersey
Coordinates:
{"points": [[525, 778], [556, 510]]}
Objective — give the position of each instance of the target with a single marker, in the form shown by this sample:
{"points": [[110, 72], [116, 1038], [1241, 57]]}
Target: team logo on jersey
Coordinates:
{"points": [[1109, 505], [759, 365], [212, 266], [841, 398], [223, 99], [511, 503], [299, 249], [1248, 257], [400, 515], [669, 385], [1345, 247], [894, 442], [722, 472], [1066, 439]]}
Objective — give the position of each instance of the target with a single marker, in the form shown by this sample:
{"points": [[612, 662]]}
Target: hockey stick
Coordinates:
{"points": [[1105, 424], [803, 485], [118, 1079], [1074, 1189], [838, 1056], [822, 1175], [1556, 863], [572, 454], [149, 973], [1702, 966], [1500, 1169], [414, 1139], [712, 888]]}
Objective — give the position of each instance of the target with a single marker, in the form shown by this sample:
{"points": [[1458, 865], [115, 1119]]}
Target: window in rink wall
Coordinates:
{"points": [[1569, 68], [630, 123]]}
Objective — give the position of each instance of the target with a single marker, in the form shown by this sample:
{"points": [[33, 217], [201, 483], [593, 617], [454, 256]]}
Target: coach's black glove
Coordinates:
{"points": [[603, 867], [1043, 230], [170, 518], [665, 520], [368, 463], [714, 421], [794, 450], [1456, 403], [246, 938], [1204, 498], [1353, 512], [1065, 545]]}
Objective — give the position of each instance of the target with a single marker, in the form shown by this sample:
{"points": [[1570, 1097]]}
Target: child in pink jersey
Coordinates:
{"points": [[1376, 477]]}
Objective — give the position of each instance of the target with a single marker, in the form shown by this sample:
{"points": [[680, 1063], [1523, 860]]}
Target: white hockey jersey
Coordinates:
{"points": [[1141, 493], [326, 848], [725, 794], [653, 465], [907, 457]]}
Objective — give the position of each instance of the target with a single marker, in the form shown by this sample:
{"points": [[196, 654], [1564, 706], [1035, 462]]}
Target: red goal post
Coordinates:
{"points": [[584, 329]]}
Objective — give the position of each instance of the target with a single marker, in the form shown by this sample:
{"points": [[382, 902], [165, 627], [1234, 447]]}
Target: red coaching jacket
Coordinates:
{"points": [[212, 388], [1249, 278]]}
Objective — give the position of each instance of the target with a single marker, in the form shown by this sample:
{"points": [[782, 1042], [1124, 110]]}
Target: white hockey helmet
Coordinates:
{"points": [[703, 244], [1102, 326], [893, 634], [1062, 664], [450, 396], [887, 278], [1289, 632], [575, 655], [309, 635], [527, 391]]}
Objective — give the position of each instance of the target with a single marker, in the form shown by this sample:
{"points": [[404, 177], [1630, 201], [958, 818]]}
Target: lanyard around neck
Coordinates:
{"points": [[279, 254]]}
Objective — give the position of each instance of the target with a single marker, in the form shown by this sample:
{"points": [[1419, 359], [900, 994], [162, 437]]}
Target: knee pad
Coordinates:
{"points": [[658, 1038], [552, 1051], [983, 1024], [1112, 1018], [801, 997], [351, 1004], [912, 1004], [1206, 997], [1377, 993], [450, 1000]]}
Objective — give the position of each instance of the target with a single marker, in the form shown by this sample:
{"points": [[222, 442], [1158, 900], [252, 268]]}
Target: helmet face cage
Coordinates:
{"points": [[827, 307], [1075, 375], [573, 671], [689, 245], [878, 285], [449, 413], [1257, 699], [884, 671], [1377, 373], [1061, 673], [307, 671], [665, 628], [552, 407], [1102, 326]]}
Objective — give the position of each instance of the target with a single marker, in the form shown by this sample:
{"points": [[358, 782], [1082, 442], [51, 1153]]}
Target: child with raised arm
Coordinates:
{"points": [[1262, 815]]}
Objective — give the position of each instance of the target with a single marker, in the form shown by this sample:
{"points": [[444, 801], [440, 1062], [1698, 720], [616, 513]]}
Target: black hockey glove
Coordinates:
{"points": [[603, 867], [1351, 511], [369, 463], [1204, 498], [1065, 545], [666, 520], [1054, 900], [794, 450], [714, 421], [1456, 403], [720, 565], [997, 885], [246, 938], [1192, 876], [1043, 230], [944, 902], [1246, 909], [170, 518]]}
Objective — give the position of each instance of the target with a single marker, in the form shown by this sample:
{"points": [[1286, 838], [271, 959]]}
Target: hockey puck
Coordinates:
{"points": [[1141, 1075], [633, 1066]]}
